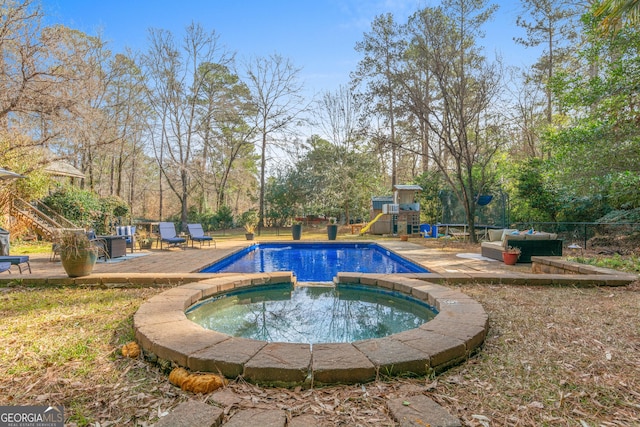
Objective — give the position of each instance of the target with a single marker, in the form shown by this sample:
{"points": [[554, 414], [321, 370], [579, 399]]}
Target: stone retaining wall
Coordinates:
{"points": [[557, 265]]}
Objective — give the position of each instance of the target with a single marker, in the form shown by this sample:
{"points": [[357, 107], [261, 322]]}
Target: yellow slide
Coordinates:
{"points": [[366, 227]]}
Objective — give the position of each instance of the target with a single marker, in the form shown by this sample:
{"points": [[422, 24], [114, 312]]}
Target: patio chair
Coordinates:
{"points": [[196, 233], [16, 260], [168, 235], [99, 243], [129, 231], [5, 266]]}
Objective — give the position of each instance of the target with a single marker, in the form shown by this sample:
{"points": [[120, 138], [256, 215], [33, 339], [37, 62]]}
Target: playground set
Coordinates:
{"points": [[399, 214], [396, 215]]}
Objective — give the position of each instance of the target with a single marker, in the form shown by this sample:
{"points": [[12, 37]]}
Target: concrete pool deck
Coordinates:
{"points": [[176, 266]]}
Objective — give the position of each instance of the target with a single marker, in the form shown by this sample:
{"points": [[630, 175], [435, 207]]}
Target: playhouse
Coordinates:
{"points": [[397, 214]]}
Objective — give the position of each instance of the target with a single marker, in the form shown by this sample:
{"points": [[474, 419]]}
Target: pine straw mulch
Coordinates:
{"points": [[553, 356]]}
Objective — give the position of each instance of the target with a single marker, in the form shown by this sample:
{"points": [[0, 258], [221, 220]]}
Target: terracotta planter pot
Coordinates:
{"points": [[510, 258], [79, 266], [249, 236], [404, 238]]}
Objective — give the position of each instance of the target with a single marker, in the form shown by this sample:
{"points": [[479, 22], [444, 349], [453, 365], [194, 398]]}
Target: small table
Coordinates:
{"points": [[115, 246], [356, 228]]}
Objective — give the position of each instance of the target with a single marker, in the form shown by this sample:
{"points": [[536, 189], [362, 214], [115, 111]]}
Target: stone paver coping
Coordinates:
{"points": [[459, 328]]}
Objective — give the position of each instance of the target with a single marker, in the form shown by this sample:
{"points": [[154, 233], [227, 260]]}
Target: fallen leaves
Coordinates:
{"points": [[544, 362]]}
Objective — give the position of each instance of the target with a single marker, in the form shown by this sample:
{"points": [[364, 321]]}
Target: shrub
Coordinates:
{"points": [[224, 217], [249, 220], [81, 207], [86, 209]]}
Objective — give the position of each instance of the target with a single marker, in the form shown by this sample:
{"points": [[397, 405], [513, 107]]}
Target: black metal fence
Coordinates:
{"points": [[620, 237]]}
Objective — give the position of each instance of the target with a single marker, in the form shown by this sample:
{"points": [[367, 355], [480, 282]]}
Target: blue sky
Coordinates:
{"points": [[317, 36]]}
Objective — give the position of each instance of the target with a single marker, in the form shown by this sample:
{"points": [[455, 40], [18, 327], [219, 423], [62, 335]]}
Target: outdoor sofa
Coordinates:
{"points": [[536, 243]]}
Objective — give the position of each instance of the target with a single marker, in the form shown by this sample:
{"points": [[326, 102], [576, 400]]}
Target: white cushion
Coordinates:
{"points": [[124, 230], [495, 235]]}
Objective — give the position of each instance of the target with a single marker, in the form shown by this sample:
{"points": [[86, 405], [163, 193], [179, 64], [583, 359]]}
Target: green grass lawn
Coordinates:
{"points": [[28, 248], [628, 263]]}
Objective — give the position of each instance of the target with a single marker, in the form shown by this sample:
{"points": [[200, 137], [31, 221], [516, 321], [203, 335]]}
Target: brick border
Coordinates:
{"points": [[459, 329]]}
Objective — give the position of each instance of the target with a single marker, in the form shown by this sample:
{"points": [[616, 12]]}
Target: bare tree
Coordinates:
{"points": [[175, 90], [94, 135], [42, 71], [527, 115], [462, 119], [127, 113], [416, 83], [339, 114], [276, 93], [228, 138]]}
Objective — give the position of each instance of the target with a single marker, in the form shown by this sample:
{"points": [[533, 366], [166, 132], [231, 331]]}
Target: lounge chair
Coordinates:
{"points": [[196, 233], [129, 232], [16, 260], [168, 235], [5, 266]]}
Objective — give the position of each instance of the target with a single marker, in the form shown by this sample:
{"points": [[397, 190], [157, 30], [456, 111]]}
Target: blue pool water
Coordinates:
{"points": [[315, 262], [311, 314]]}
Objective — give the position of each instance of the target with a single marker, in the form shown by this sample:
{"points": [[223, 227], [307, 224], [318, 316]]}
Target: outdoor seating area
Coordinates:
{"points": [[531, 243]]}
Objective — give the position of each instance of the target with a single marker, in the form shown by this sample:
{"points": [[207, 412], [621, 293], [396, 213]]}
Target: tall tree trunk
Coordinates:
{"points": [[263, 163], [184, 179]]}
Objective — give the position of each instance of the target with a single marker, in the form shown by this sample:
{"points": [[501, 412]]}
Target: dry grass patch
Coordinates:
{"points": [[554, 356], [60, 346]]}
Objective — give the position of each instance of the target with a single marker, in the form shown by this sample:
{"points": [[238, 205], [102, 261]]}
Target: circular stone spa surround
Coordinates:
{"points": [[459, 328]]}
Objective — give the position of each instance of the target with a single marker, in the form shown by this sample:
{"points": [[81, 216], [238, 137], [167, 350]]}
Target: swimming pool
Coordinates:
{"points": [[315, 262]]}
